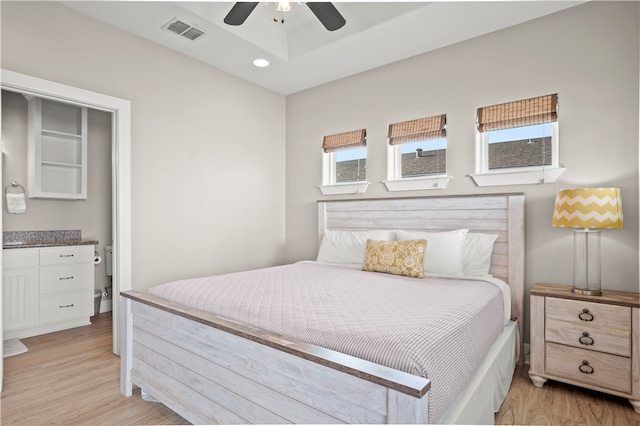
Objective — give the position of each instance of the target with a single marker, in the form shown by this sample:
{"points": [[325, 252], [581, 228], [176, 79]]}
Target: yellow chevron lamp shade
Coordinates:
{"points": [[594, 208], [587, 211]]}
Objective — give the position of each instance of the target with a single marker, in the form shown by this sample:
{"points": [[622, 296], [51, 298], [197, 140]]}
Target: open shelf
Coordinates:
{"points": [[57, 150]]}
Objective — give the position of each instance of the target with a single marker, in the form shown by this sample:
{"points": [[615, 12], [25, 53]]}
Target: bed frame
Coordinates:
{"points": [[212, 370]]}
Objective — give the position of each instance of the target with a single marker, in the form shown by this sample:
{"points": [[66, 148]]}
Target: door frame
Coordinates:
{"points": [[120, 110]]}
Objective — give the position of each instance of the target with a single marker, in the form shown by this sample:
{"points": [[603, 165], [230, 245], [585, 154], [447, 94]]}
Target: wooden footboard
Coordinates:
{"points": [[212, 370]]}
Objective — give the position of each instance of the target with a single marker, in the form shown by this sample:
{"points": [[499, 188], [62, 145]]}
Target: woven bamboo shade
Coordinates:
{"points": [[526, 112], [347, 140], [418, 130]]}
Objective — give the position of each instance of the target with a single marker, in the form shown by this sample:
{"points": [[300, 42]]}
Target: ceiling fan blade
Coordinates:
{"points": [[327, 14], [239, 13]]}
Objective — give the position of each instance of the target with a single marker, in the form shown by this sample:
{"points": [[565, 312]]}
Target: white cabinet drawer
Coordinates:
{"points": [[64, 306], [65, 255], [19, 258], [61, 278], [599, 370], [589, 314]]}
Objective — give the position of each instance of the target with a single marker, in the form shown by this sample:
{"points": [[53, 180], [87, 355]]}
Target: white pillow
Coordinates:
{"points": [[476, 253], [444, 250], [349, 247]]}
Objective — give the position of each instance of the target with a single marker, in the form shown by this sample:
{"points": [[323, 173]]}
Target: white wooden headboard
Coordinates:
{"points": [[501, 214]]}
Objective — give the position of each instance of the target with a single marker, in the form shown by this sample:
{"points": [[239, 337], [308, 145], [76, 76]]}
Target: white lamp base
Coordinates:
{"points": [[586, 262], [586, 292]]}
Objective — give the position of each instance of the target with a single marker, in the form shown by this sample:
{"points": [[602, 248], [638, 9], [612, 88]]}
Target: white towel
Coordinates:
{"points": [[16, 203]]}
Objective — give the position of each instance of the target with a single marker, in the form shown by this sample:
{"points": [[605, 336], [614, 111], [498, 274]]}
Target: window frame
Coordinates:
{"points": [[329, 169], [516, 175], [395, 181], [425, 126]]}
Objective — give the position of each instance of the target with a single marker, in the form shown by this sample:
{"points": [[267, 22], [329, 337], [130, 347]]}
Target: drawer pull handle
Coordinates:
{"points": [[66, 306], [65, 278], [66, 255], [585, 315], [585, 339], [586, 368]]}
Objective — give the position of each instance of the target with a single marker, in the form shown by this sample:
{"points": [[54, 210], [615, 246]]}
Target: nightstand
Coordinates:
{"points": [[588, 341]]}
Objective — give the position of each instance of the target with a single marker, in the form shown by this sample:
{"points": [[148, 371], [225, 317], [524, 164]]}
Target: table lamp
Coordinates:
{"points": [[587, 210]]}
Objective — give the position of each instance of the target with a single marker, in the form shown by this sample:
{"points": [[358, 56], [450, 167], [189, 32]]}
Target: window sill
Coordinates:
{"points": [[547, 175], [344, 188], [413, 184]]}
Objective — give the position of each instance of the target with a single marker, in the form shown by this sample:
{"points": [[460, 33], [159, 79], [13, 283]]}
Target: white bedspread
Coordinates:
{"points": [[436, 328]]}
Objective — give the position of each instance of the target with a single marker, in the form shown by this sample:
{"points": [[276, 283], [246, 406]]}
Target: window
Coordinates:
{"points": [[344, 163], [517, 142], [520, 147], [417, 154], [351, 165]]}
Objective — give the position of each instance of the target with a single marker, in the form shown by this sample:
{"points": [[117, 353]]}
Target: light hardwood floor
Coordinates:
{"points": [[559, 404], [72, 378]]}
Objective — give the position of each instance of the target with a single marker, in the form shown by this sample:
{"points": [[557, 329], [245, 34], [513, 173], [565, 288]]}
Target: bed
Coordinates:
{"points": [[220, 368]]}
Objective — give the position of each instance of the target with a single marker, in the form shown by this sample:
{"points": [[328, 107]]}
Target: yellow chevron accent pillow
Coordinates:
{"points": [[396, 257], [598, 208]]}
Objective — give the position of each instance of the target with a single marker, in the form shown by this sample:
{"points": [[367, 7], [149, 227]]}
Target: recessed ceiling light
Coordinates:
{"points": [[261, 63]]}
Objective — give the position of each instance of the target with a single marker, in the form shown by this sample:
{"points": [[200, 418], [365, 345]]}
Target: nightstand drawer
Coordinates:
{"points": [[589, 314], [602, 371], [613, 341]]}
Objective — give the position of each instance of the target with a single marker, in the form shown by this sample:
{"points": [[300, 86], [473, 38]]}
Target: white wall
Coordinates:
{"points": [[587, 54], [201, 194]]}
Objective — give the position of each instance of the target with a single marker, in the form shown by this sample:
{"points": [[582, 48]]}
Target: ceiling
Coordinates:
{"points": [[301, 52]]}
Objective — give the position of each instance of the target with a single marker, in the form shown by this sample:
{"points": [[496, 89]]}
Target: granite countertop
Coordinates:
{"points": [[28, 239]]}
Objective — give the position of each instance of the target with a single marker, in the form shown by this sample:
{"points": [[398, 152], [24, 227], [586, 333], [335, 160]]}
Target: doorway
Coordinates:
{"points": [[120, 110]]}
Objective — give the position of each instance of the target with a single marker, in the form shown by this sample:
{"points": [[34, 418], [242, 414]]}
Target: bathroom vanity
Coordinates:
{"points": [[47, 286]]}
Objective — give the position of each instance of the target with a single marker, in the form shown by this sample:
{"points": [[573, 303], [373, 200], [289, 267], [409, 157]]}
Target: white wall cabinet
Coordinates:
{"points": [[47, 289], [57, 149]]}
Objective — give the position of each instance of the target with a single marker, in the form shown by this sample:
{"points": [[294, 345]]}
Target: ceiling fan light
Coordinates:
{"points": [[283, 6]]}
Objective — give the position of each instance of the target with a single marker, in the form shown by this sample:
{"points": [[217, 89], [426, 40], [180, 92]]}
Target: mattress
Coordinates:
{"points": [[437, 328]]}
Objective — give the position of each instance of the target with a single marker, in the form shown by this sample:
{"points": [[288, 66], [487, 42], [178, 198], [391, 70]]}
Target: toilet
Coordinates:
{"points": [[108, 260], [108, 269]]}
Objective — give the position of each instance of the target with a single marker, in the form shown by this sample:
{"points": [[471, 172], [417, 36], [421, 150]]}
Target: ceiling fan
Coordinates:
{"points": [[326, 13]]}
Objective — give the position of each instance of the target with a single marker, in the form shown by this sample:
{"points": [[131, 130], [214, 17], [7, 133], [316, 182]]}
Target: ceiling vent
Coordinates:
{"points": [[183, 29]]}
